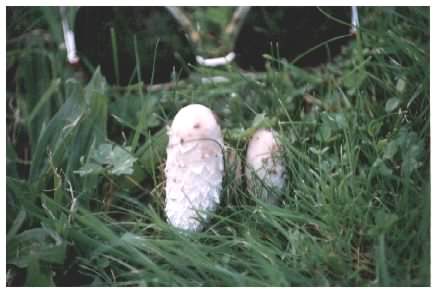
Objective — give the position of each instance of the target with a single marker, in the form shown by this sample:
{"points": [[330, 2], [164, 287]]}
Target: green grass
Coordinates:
{"points": [[355, 212]]}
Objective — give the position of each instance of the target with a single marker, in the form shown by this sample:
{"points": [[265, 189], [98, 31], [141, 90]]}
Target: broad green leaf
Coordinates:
{"points": [[380, 167], [103, 154], [58, 130], [324, 133], [81, 120], [390, 150], [259, 120], [411, 159], [374, 127], [401, 85], [392, 104], [90, 168], [411, 150], [122, 162], [111, 158], [340, 120], [132, 110]]}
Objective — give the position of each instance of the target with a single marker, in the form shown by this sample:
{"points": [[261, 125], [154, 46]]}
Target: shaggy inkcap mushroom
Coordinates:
{"points": [[264, 168], [194, 167]]}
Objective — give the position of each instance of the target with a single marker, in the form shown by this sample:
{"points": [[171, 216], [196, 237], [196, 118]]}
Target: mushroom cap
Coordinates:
{"points": [[194, 122], [194, 167], [264, 167]]}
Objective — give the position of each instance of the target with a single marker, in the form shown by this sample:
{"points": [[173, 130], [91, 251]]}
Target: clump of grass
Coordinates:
{"points": [[355, 136]]}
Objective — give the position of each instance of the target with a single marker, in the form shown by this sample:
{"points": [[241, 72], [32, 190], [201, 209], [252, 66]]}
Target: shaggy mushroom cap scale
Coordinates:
{"points": [[194, 167], [264, 167]]}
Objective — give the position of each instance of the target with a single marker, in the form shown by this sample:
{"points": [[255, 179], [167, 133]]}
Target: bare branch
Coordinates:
{"points": [[185, 23], [234, 26]]}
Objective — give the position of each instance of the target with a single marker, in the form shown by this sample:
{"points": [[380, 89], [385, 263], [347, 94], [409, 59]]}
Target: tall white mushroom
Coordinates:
{"points": [[194, 167], [264, 167]]}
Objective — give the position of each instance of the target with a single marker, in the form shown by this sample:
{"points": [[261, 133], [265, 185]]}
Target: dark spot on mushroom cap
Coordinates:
{"points": [[182, 140], [197, 125]]}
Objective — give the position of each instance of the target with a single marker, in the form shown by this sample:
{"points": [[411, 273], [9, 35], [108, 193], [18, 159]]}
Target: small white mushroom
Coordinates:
{"points": [[194, 167], [264, 167]]}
